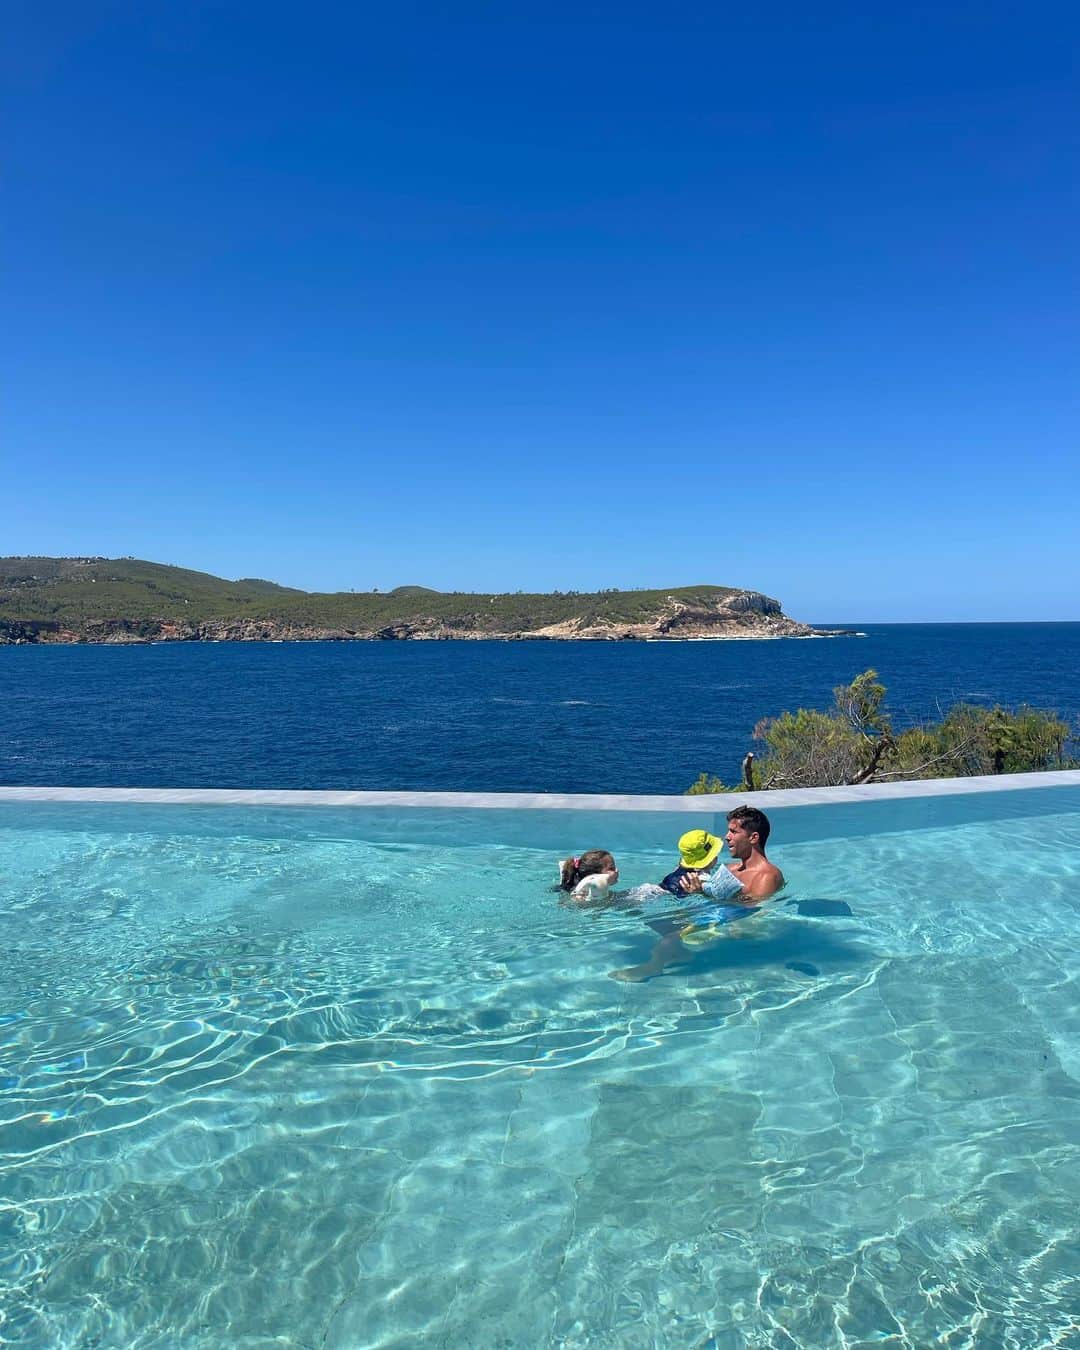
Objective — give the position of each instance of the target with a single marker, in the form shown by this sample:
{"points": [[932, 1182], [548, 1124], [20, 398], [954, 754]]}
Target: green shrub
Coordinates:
{"points": [[706, 783], [855, 743]]}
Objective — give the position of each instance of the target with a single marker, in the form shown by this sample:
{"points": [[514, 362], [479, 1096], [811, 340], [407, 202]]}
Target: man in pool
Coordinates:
{"points": [[758, 878]]}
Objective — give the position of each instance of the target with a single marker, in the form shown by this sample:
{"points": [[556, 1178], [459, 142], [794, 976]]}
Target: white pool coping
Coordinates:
{"points": [[706, 804]]}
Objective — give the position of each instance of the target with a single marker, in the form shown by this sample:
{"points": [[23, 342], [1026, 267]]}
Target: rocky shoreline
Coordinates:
{"points": [[687, 625]]}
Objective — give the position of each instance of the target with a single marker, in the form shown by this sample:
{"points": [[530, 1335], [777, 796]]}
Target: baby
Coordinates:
{"points": [[588, 879], [697, 873]]}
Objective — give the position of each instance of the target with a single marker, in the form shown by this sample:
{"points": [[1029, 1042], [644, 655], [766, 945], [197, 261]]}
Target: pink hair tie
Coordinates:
{"points": [[576, 862]]}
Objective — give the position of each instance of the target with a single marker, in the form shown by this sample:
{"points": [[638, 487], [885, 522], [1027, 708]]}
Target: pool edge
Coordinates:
{"points": [[705, 804]]}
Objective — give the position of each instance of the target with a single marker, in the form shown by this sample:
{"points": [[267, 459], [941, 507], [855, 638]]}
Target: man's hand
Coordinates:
{"points": [[692, 884]]}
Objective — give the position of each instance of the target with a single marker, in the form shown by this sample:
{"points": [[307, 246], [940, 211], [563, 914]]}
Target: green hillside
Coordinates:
{"points": [[72, 592]]}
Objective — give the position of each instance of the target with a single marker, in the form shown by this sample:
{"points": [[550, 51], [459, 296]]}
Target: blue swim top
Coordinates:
{"points": [[671, 881]]}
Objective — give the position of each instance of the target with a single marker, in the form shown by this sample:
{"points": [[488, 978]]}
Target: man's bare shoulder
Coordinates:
{"points": [[765, 880]]}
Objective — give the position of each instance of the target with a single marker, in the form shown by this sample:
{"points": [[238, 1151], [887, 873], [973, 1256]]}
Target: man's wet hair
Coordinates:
{"points": [[754, 820]]}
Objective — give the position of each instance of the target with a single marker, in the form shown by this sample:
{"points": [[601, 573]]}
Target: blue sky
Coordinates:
{"points": [[533, 296]]}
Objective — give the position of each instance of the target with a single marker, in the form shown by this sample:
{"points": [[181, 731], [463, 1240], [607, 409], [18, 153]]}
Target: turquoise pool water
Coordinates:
{"points": [[354, 1078]]}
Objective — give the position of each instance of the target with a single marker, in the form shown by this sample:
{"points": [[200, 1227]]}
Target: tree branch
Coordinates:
{"points": [[884, 744]]}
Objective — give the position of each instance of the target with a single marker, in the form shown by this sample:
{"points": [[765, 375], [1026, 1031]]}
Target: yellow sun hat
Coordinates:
{"points": [[698, 848]]}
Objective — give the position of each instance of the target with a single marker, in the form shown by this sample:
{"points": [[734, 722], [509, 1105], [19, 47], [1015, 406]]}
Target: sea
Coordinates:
{"points": [[599, 717]]}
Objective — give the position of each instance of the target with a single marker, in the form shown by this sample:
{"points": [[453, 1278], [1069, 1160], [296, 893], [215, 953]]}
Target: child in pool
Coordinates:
{"points": [[696, 874], [588, 879]]}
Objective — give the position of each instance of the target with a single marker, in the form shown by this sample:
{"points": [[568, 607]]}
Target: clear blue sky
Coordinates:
{"points": [[524, 295]]}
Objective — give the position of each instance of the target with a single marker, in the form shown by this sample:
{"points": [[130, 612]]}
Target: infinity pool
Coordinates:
{"points": [[313, 1077]]}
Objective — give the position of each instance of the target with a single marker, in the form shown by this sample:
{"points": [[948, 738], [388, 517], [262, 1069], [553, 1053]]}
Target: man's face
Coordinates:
{"points": [[739, 839]]}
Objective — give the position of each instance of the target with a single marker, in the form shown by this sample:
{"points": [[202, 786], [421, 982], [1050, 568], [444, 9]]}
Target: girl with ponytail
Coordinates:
{"points": [[588, 878]]}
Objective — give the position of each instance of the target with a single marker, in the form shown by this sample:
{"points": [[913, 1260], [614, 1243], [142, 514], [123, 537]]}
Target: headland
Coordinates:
{"points": [[127, 600]]}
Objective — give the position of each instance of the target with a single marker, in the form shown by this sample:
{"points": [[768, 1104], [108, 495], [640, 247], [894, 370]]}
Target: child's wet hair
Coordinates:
{"points": [[571, 870]]}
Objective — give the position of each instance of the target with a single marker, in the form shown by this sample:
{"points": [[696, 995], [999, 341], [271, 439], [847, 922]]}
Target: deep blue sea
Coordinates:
{"points": [[480, 716]]}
